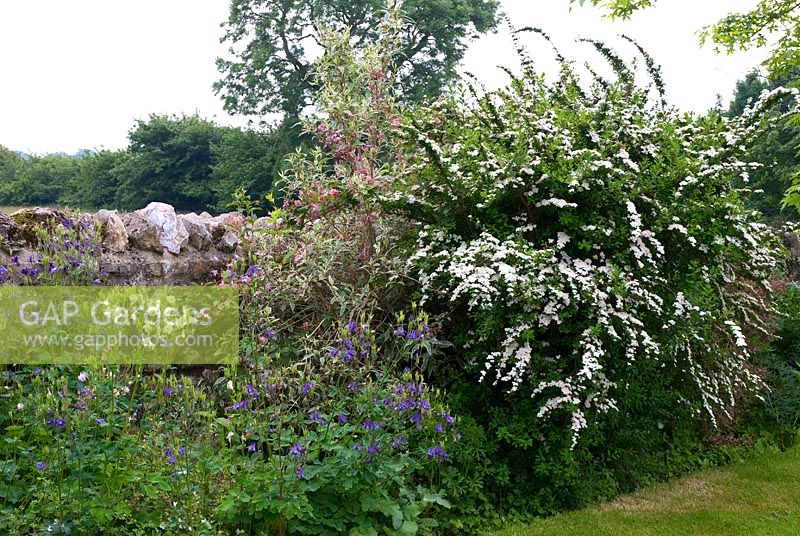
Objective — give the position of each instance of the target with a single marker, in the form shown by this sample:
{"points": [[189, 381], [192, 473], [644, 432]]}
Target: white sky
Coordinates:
{"points": [[76, 74]]}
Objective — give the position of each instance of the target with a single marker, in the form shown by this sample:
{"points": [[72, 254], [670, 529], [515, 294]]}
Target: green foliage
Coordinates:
{"points": [[741, 31], [776, 149], [188, 162], [271, 41], [779, 418], [328, 252], [9, 163], [98, 180], [582, 246], [251, 160], [622, 9], [39, 180], [757, 28], [595, 269], [320, 447], [171, 159]]}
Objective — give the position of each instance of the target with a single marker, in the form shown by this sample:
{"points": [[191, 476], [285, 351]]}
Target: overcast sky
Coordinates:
{"points": [[76, 74]]}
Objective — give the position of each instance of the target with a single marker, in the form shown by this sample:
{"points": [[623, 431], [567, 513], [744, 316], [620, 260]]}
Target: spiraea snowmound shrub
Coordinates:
{"points": [[585, 237]]}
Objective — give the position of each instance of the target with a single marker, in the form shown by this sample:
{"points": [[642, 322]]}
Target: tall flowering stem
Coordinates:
{"points": [[329, 249]]}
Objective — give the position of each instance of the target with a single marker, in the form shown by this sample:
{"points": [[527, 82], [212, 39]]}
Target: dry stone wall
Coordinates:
{"points": [[151, 246]]}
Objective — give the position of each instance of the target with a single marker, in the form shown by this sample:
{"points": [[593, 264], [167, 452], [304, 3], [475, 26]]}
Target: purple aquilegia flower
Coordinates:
{"points": [[439, 428], [15, 260], [171, 460], [37, 371], [371, 425], [416, 417], [32, 272], [168, 391], [306, 387], [299, 471], [437, 452], [373, 448], [400, 441], [297, 450], [348, 344], [352, 327], [251, 447], [252, 391], [182, 451], [349, 355], [414, 334], [11, 375], [240, 405], [57, 422], [40, 466], [334, 352], [341, 418], [415, 389], [269, 334], [449, 419], [400, 331], [253, 271], [100, 421]]}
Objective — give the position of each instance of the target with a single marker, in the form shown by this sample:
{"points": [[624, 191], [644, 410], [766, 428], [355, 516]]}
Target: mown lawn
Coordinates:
{"points": [[759, 496]]}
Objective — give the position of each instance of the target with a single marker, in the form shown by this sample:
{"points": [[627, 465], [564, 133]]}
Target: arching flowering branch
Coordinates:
{"points": [[582, 236]]}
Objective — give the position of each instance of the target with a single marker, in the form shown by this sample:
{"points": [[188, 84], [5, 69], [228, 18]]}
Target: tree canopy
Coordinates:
{"points": [[273, 45], [769, 19], [775, 149], [189, 162]]}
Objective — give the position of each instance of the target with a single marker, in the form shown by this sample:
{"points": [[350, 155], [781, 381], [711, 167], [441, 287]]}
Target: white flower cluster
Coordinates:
{"points": [[585, 231]]}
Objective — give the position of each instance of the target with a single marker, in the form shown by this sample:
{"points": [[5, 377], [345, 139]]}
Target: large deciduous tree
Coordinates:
{"points": [[274, 44], [195, 164]]}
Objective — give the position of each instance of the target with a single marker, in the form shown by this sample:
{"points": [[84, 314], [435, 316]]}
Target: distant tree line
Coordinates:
{"points": [[189, 162], [195, 164]]}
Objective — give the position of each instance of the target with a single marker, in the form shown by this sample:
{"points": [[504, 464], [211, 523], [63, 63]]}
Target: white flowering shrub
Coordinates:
{"points": [[575, 235]]}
